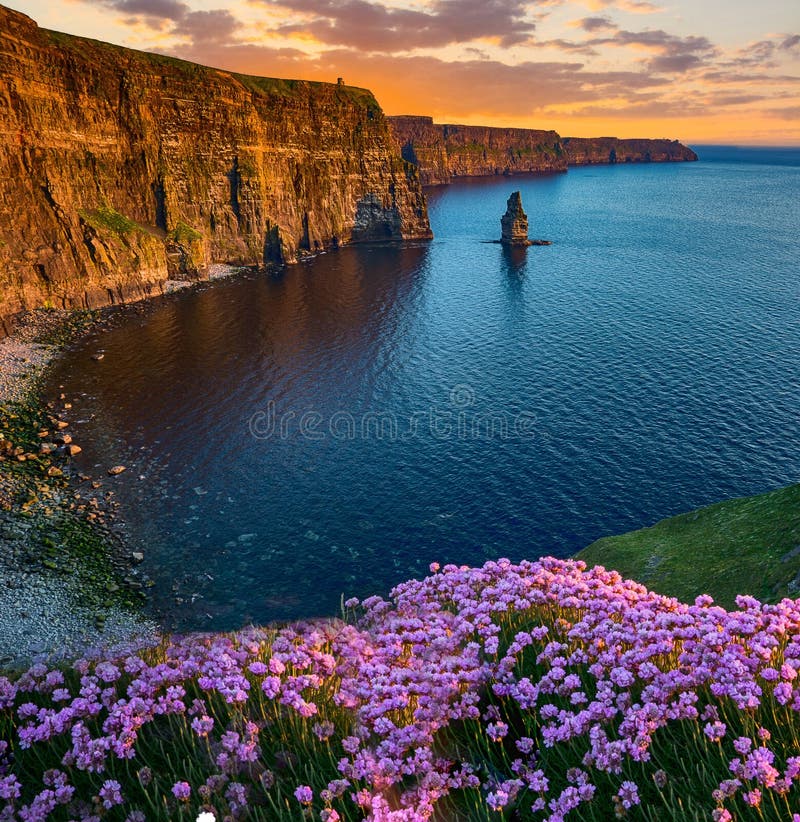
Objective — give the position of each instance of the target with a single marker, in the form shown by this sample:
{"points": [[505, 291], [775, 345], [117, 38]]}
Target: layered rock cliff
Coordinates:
{"points": [[600, 150], [442, 152], [121, 169]]}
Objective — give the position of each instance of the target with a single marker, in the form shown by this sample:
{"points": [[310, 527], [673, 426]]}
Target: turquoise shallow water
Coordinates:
{"points": [[646, 363]]}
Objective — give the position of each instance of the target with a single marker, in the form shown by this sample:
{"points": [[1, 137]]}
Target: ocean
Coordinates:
{"points": [[334, 429]]}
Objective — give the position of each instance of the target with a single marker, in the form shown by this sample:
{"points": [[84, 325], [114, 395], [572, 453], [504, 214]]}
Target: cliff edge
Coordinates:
{"points": [[444, 151], [121, 169]]}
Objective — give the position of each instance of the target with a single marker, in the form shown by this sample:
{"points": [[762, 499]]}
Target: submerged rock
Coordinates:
{"points": [[514, 222]]}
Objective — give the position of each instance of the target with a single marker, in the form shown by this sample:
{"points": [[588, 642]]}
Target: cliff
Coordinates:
{"points": [[442, 152], [600, 150], [121, 169]]}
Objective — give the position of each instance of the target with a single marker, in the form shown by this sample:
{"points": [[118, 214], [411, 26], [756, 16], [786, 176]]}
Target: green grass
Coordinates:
{"points": [[94, 50], [106, 218], [90, 49], [277, 87], [184, 234], [690, 765], [740, 546]]}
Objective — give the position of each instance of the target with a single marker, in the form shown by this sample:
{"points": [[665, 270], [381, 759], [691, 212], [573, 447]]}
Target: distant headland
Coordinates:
{"points": [[443, 152]]}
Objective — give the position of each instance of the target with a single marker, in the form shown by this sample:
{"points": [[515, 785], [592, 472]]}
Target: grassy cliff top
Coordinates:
{"points": [[90, 49], [741, 546]]}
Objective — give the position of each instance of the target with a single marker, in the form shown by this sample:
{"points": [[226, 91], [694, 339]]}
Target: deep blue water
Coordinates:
{"points": [[649, 359]]}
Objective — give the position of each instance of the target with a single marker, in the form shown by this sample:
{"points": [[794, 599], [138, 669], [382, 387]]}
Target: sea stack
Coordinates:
{"points": [[514, 222]]}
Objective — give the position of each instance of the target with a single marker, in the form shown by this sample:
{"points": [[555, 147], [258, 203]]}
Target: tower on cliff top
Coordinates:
{"points": [[514, 222]]}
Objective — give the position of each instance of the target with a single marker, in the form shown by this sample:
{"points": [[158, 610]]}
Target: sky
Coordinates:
{"points": [[702, 71]]}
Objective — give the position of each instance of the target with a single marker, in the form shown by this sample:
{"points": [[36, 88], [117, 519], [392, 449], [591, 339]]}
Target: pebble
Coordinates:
{"points": [[42, 611], [117, 469]]}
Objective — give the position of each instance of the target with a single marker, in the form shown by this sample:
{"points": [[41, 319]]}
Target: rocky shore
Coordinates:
{"points": [[66, 578]]}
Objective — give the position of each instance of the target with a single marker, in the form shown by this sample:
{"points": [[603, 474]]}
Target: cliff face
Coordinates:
{"points": [[599, 150], [445, 151], [442, 152], [121, 169]]}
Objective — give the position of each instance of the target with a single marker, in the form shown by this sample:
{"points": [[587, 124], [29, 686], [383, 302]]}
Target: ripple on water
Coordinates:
{"points": [[655, 346]]}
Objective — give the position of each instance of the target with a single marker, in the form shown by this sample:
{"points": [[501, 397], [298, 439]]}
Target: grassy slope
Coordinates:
{"points": [[749, 546], [92, 49]]}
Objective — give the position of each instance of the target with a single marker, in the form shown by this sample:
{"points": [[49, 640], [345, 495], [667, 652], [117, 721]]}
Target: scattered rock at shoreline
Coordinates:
{"points": [[46, 604]]}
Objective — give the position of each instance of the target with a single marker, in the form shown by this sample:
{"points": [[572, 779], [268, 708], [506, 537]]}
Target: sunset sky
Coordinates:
{"points": [[698, 70]]}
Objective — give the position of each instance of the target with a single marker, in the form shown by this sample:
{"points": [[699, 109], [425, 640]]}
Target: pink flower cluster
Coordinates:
{"points": [[594, 660]]}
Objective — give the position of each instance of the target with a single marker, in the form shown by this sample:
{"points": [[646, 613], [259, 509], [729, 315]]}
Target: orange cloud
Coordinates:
{"points": [[451, 59], [632, 6]]}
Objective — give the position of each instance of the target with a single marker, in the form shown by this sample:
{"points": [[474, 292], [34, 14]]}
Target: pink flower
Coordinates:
{"points": [[753, 797]]}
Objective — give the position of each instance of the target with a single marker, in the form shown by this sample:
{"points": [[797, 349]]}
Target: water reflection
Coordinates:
{"points": [[514, 262], [652, 390]]}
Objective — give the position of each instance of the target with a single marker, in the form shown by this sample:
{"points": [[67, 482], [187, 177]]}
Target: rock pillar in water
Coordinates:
{"points": [[514, 222]]}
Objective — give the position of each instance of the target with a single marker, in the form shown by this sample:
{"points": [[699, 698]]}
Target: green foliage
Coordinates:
{"points": [[184, 234], [106, 218], [740, 546], [675, 783]]}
